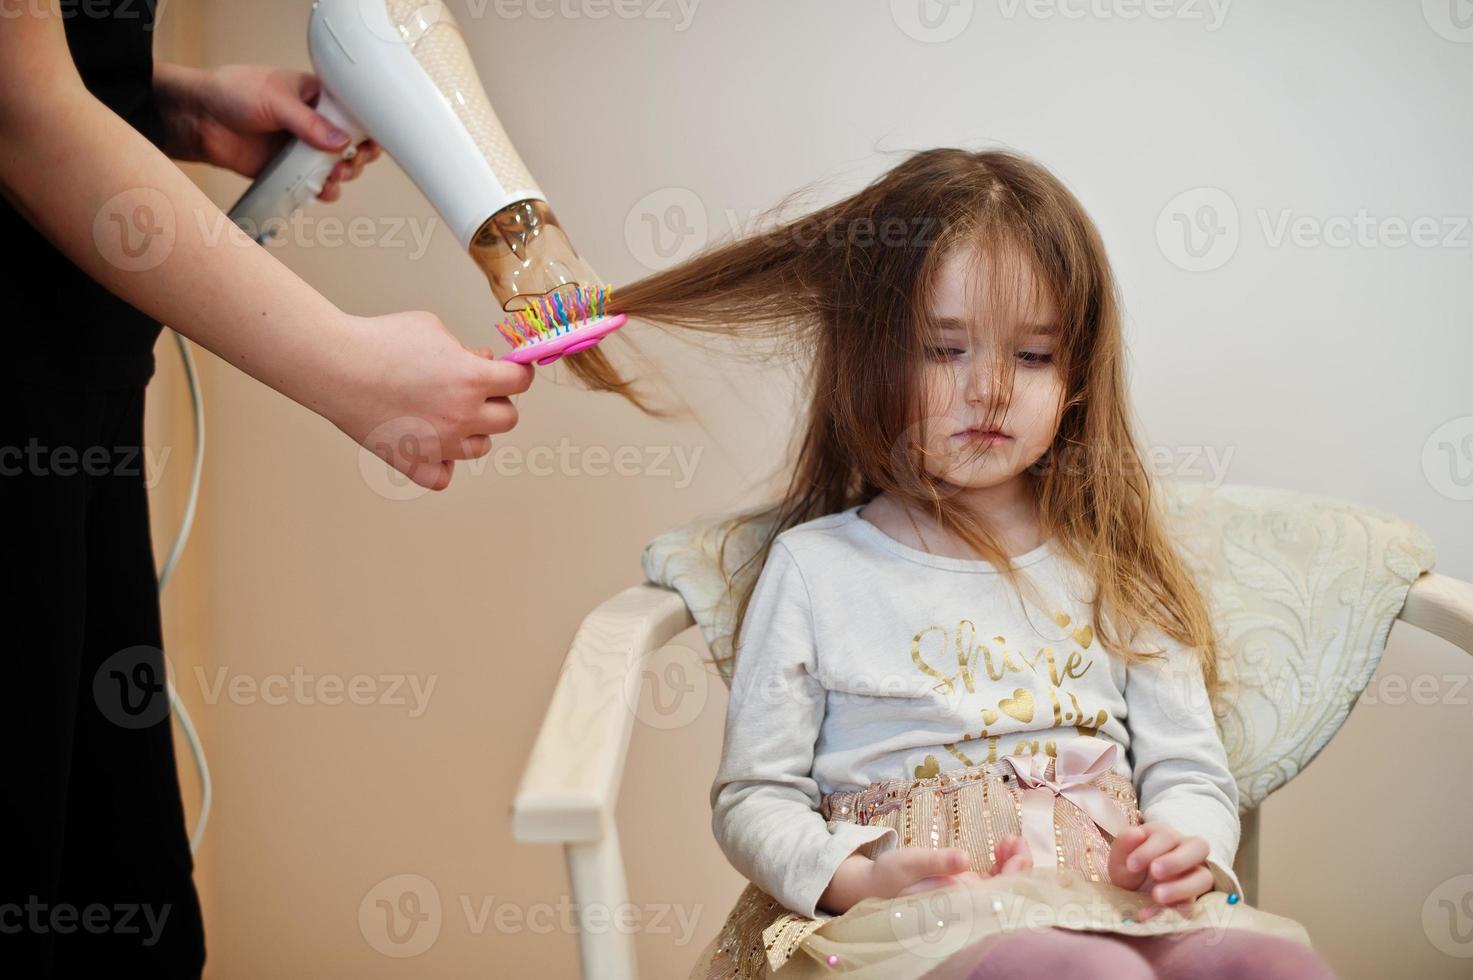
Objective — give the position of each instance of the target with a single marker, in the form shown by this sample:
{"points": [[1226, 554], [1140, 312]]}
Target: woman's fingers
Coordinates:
{"points": [[473, 447], [289, 102], [503, 378], [497, 415], [345, 170]]}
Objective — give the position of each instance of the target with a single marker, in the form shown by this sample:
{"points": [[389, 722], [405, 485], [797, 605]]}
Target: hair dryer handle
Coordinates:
{"points": [[293, 177]]}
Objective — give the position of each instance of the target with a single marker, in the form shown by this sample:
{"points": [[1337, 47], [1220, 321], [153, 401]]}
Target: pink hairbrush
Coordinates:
{"points": [[559, 323]]}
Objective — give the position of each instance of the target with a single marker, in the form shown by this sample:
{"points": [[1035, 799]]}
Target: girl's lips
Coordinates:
{"points": [[976, 435]]}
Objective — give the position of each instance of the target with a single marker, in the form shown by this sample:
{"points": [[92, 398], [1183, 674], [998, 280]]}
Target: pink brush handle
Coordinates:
{"points": [[584, 337]]}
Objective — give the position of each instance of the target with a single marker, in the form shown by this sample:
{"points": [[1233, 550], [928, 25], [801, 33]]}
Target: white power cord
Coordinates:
{"points": [[176, 703]]}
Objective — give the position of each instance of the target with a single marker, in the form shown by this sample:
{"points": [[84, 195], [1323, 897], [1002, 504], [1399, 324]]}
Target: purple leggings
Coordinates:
{"points": [[1198, 954]]}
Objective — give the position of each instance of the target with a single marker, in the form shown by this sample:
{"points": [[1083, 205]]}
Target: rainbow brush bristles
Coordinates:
{"points": [[559, 323]]}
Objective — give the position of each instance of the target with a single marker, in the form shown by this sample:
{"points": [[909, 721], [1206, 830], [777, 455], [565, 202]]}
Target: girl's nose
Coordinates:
{"points": [[982, 381]]}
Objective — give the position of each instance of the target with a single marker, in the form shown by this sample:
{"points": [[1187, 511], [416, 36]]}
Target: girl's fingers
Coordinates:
{"points": [[1183, 889], [926, 885], [1188, 854], [1186, 910], [1120, 851], [1159, 840], [1011, 854], [1015, 864], [910, 865]]}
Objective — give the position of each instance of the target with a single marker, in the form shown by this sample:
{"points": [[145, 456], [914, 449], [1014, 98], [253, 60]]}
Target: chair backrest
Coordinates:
{"points": [[1303, 589]]}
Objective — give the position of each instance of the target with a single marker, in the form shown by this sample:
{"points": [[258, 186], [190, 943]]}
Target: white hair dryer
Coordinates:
{"points": [[399, 71]]}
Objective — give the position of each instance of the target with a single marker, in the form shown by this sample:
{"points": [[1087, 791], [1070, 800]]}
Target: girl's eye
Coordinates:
{"points": [[1034, 357], [944, 353]]}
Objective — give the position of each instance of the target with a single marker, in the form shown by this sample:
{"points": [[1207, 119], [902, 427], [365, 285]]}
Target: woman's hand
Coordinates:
{"points": [[907, 870], [1154, 858], [416, 397], [240, 116]]}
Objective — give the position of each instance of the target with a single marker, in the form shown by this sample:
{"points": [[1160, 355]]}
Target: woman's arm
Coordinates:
{"points": [[118, 208]]}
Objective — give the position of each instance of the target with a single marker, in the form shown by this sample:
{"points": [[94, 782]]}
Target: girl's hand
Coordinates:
{"points": [[239, 117], [907, 870], [1011, 854], [1154, 858]]}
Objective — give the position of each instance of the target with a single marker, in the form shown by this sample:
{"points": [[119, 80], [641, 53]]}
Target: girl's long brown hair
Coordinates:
{"points": [[848, 287]]}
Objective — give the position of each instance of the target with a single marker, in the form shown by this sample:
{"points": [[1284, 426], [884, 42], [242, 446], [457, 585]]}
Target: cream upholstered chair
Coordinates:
{"points": [[1304, 590]]}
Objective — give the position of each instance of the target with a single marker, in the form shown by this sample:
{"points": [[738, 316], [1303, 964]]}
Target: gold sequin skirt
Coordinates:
{"points": [[908, 937]]}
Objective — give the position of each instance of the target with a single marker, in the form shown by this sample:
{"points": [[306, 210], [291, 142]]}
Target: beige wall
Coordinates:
{"points": [[301, 562]]}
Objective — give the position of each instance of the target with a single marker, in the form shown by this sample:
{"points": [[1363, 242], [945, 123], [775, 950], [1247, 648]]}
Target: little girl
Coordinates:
{"points": [[970, 730]]}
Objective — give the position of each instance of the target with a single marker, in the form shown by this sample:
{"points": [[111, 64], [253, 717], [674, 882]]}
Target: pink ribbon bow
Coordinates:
{"points": [[1079, 761]]}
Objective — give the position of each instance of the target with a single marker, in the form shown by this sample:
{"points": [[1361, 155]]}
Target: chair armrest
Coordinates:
{"points": [[571, 782], [1443, 606]]}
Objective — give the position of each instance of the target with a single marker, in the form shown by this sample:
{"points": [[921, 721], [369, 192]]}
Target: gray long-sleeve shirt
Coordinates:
{"points": [[863, 659]]}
